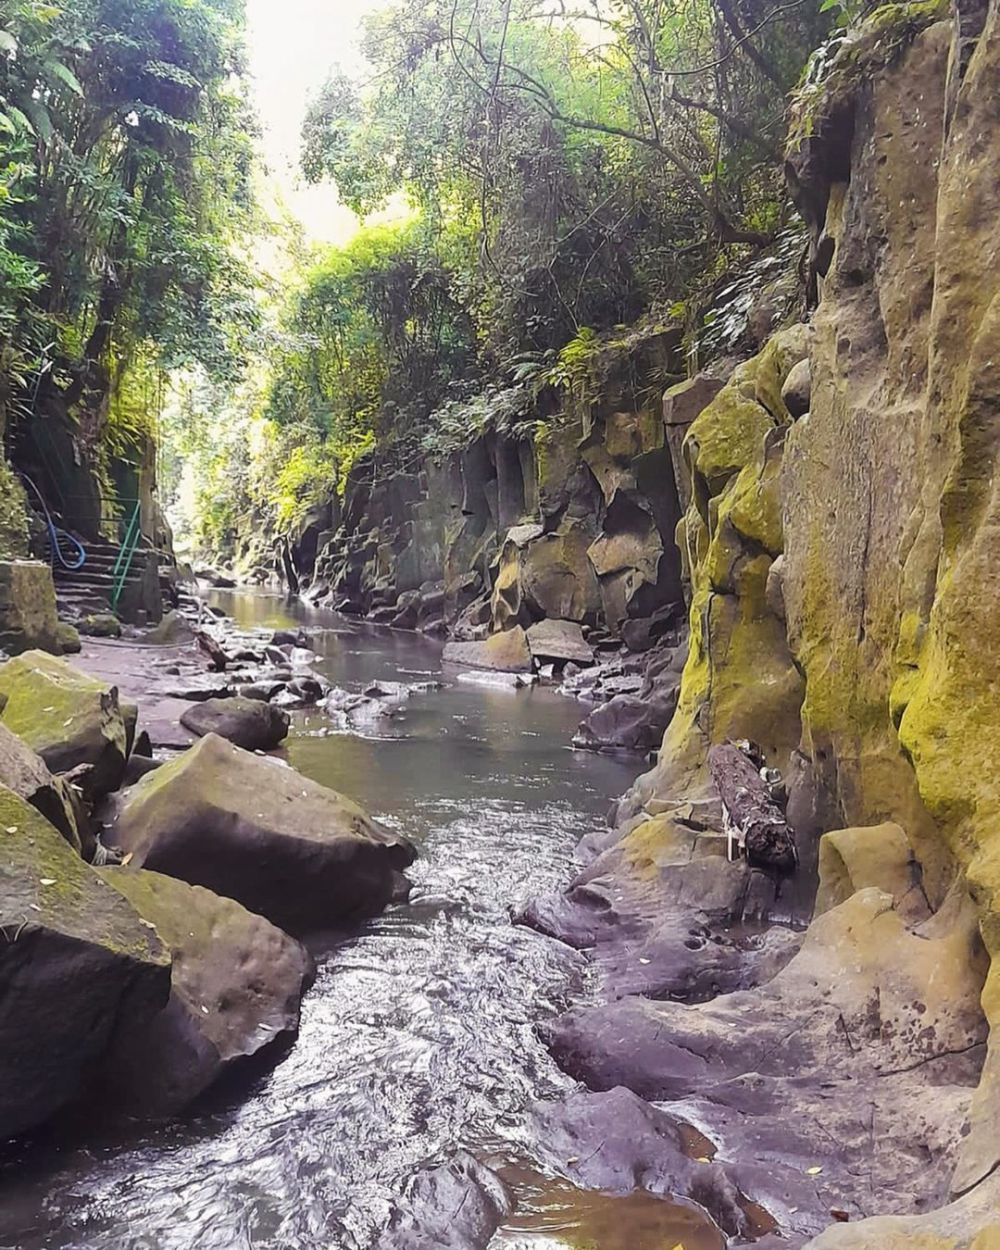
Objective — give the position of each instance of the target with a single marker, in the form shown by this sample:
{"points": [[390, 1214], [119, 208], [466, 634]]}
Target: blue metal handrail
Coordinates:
{"points": [[57, 536], [126, 552]]}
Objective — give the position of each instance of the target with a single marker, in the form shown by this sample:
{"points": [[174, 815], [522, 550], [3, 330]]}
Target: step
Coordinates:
{"points": [[94, 581], [135, 569]]}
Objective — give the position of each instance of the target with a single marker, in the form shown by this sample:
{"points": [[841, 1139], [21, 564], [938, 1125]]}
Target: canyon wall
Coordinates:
{"points": [[845, 611], [572, 519]]}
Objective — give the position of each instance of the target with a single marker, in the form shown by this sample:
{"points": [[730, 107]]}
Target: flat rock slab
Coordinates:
{"points": [[459, 1205], [252, 829], [665, 915], [69, 718], [559, 640], [137, 669], [235, 989], [76, 964], [854, 1066], [248, 723], [507, 652]]}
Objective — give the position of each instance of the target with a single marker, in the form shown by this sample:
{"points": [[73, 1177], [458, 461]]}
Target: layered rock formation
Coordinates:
{"points": [[572, 520], [842, 503]]}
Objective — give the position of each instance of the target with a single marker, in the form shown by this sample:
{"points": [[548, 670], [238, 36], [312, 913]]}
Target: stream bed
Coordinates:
{"points": [[418, 1037]]}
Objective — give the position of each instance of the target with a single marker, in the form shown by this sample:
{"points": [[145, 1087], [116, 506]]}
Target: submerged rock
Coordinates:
{"points": [[459, 1205], [254, 830], [235, 988], [76, 965], [68, 718], [249, 723], [617, 1143]]}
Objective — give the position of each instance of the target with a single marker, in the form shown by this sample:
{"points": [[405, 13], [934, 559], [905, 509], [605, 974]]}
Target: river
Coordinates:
{"points": [[418, 1036]]}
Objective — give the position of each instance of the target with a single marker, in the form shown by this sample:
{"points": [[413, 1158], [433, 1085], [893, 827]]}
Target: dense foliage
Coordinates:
{"points": [[605, 153], [124, 177], [558, 168]]}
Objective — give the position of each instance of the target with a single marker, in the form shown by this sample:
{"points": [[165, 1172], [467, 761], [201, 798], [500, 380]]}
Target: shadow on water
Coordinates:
{"points": [[418, 1035]]}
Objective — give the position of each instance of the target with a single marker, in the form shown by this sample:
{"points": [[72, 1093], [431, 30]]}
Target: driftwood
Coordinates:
{"points": [[217, 658], [751, 811]]}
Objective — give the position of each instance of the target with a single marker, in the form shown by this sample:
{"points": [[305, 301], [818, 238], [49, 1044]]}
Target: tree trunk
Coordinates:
{"points": [[747, 801]]}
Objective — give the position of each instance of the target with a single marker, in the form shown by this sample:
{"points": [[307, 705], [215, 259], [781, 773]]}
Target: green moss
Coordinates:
{"points": [[48, 701], [44, 882], [13, 515]]}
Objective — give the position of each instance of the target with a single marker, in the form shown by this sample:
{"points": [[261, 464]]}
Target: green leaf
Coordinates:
{"points": [[61, 73], [22, 119], [41, 122]]}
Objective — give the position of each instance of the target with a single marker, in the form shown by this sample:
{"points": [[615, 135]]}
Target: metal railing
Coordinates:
{"points": [[126, 553]]}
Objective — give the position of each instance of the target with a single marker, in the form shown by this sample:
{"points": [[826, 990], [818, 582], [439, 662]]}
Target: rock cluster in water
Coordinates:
{"points": [[138, 965]]}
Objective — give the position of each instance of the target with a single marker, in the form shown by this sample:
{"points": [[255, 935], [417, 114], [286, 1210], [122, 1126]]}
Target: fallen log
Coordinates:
{"points": [[750, 810]]}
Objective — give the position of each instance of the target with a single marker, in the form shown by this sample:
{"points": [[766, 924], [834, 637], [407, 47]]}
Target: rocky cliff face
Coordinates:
{"points": [[843, 509], [573, 523]]}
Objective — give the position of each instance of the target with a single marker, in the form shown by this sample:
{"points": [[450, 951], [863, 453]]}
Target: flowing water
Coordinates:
{"points": [[418, 1036]]}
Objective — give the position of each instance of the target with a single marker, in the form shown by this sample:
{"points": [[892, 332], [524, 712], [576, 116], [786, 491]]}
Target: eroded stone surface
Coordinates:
{"points": [[236, 982]]}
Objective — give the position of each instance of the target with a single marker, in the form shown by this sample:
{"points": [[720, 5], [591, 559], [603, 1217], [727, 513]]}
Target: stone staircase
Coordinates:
{"points": [[89, 589]]}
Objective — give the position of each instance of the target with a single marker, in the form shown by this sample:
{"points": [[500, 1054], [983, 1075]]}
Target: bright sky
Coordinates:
{"points": [[293, 44]]}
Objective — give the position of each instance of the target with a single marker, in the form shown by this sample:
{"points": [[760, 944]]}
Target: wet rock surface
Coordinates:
{"points": [[235, 986], [254, 830], [252, 724], [459, 1204]]}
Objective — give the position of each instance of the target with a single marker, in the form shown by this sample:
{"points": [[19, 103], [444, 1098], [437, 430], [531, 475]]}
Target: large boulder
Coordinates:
{"points": [[249, 723], [559, 640], [235, 989], [68, 718], [254, 830], [545, 575], [76, 964], [27, 607], [507, 652], [26, 773]]}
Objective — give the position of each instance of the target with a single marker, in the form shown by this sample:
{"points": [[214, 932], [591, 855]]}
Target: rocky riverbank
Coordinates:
{"points": [[828, 1037], [152, 910]]}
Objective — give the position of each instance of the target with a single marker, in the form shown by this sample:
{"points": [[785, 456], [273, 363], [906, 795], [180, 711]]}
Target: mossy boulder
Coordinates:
{"points": [[881, 856], [13, 511], [100, 625], [68, 638], [69, 718], [252, 829], [545, 575], [236, 983], [249, 723], [76, 964], [28, 615], [28, 776]]}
